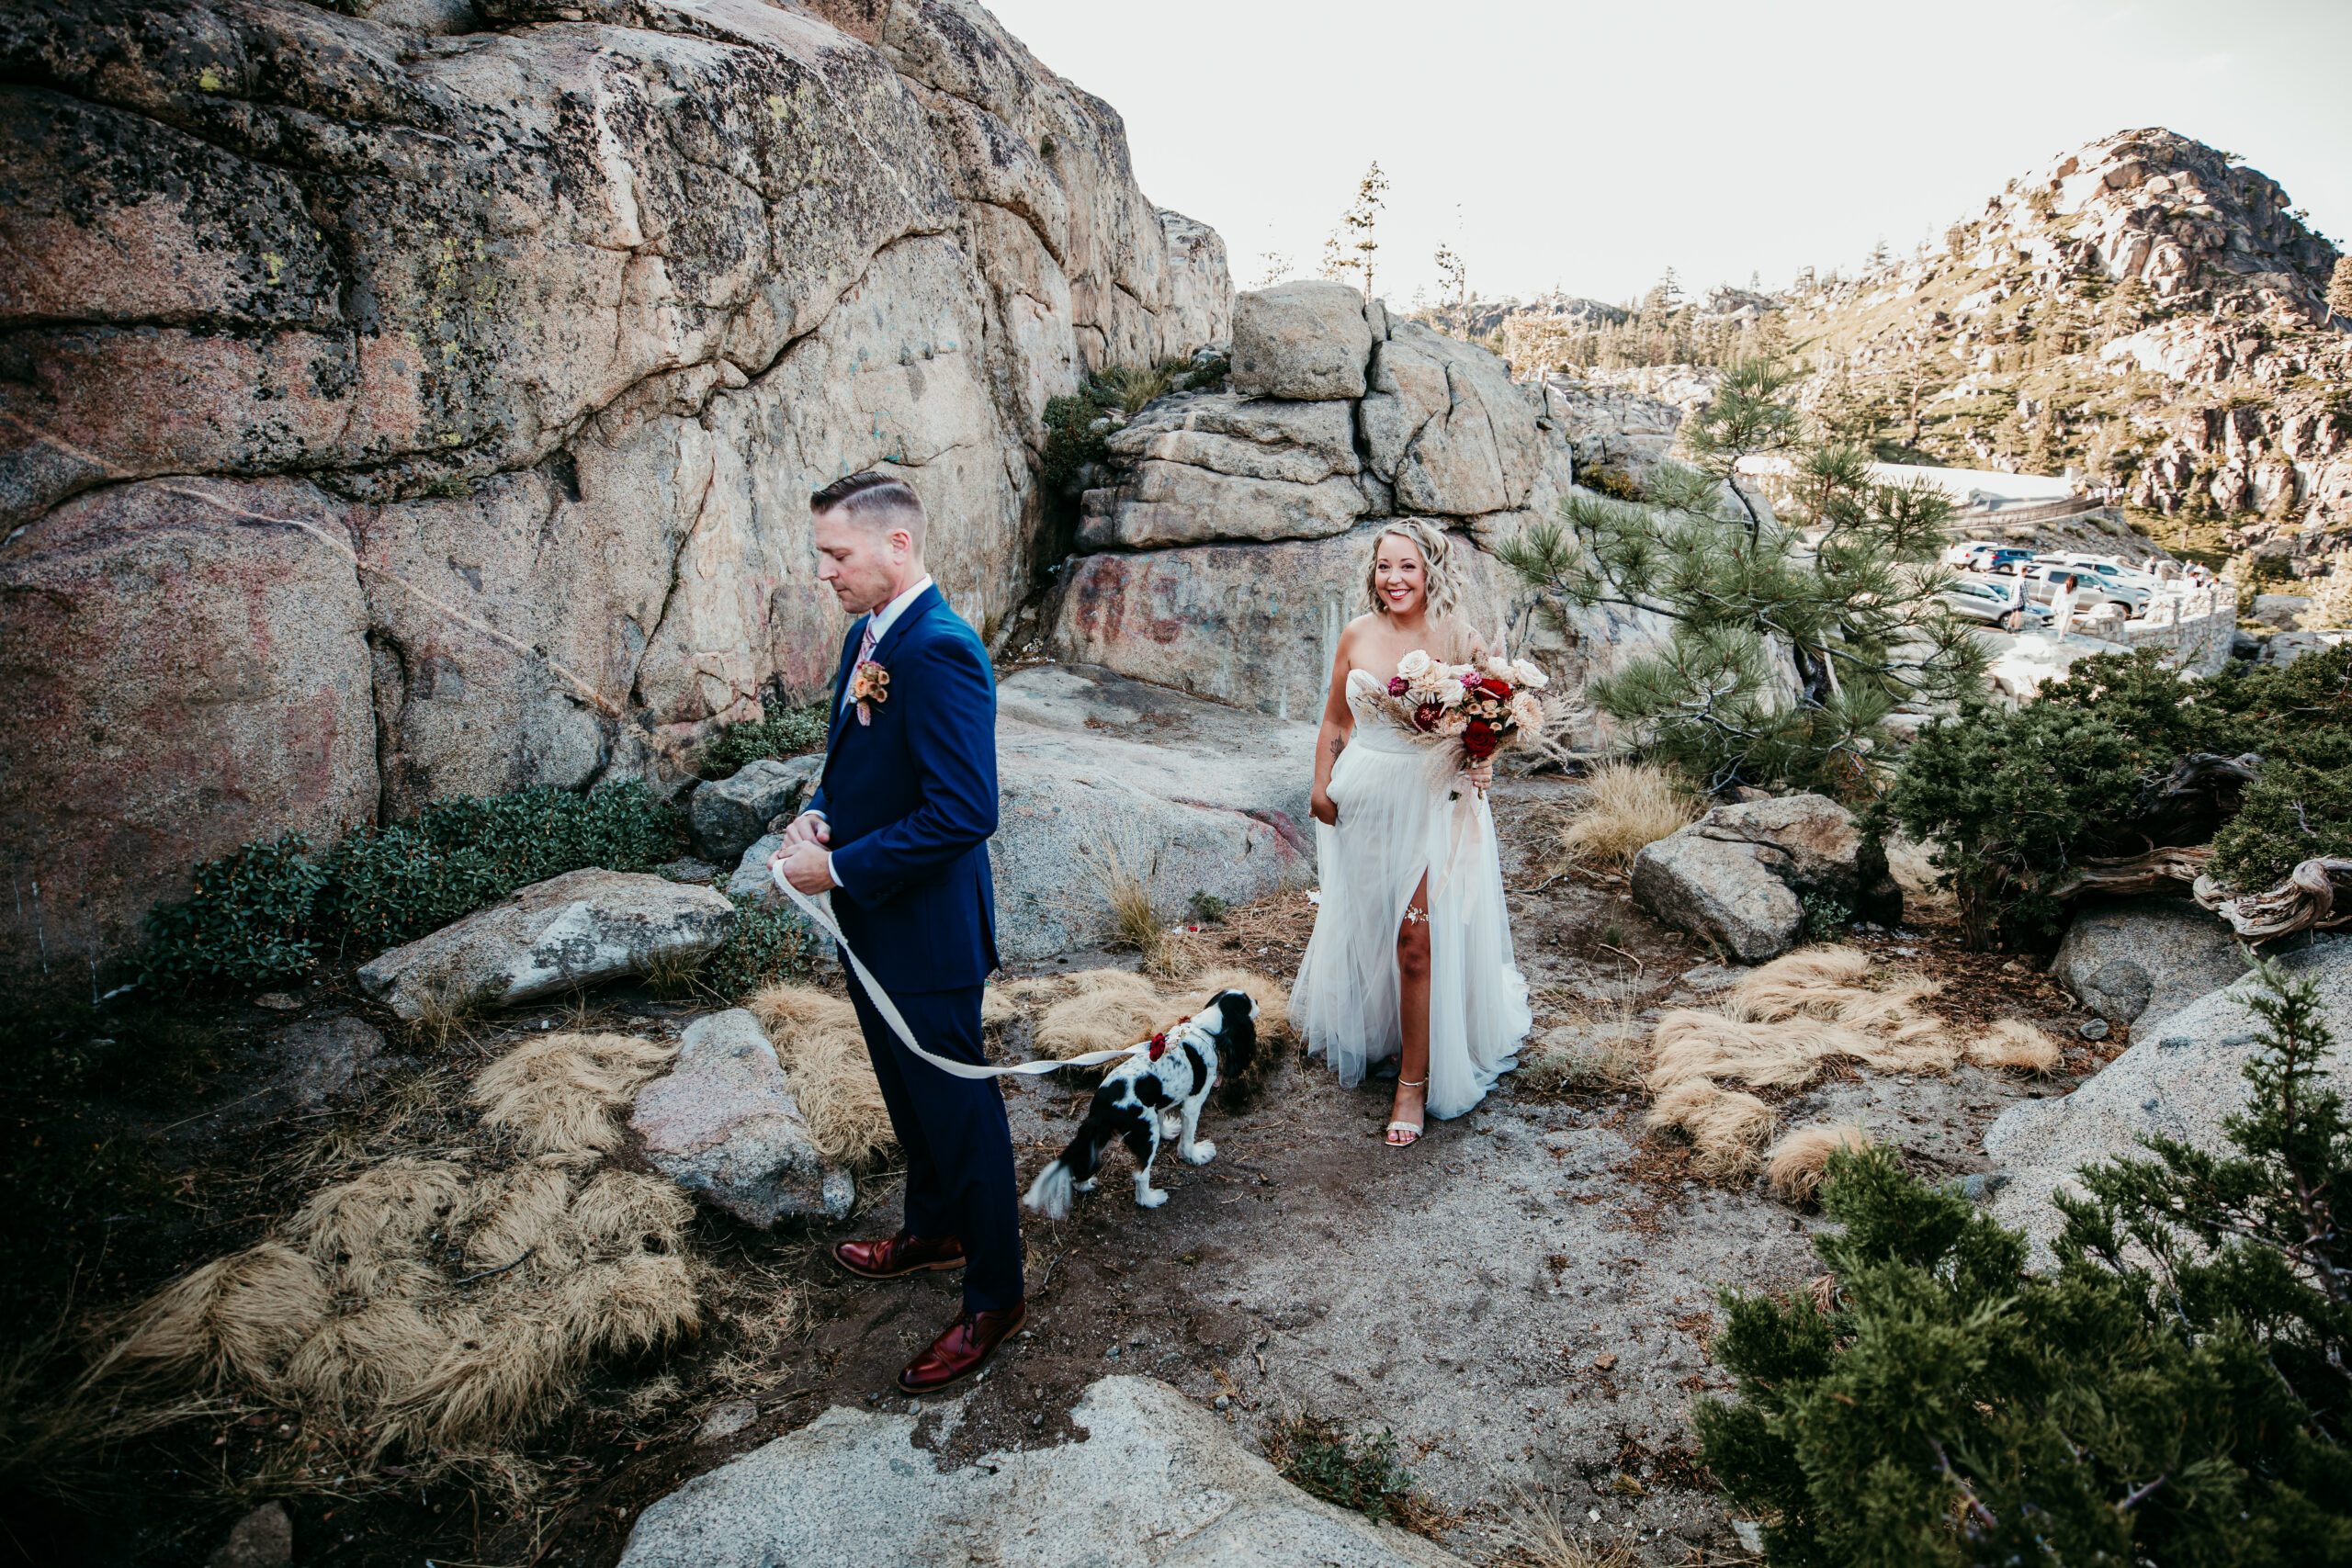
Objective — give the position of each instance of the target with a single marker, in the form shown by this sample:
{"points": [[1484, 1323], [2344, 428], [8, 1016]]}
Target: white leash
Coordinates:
{"points": [[889, 1009]]}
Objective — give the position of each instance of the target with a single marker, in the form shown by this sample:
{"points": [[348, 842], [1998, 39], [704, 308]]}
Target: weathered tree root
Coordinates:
{"points": [[2316, 896]]}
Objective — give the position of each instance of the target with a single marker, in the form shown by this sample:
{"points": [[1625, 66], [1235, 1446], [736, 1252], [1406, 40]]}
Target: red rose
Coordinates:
{"points": [[1395, 685], [1480, 739], [1495, 688], [1425, 716]]}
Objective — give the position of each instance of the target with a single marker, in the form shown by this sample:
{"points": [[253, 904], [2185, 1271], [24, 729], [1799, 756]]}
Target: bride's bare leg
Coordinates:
{"points": [[1413, 1008]]}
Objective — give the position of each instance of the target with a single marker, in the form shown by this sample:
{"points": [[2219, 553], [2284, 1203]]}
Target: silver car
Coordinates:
{"points": [[2092, 588], [1987, 599]]}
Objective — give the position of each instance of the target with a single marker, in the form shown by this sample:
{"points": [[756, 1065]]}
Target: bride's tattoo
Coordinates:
{"points": [[1339, 744]]}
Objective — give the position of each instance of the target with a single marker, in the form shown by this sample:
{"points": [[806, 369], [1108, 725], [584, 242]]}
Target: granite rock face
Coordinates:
{"points": [[2139, 961], [1306, 340], [851, 1490], [724, 1124], [563, 934], [2179, 1078], [1188, 796], [425, 402], [1739, 874]]}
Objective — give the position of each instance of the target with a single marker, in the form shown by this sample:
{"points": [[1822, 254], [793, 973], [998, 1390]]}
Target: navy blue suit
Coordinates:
{"points": [[909, 801]]}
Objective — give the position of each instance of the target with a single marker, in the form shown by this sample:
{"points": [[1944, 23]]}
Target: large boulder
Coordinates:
{"points": [[724, 1124], [1253, 626], [2180, 1079], [1157, 1483], [563, 934], [1094, 771], [1739, 876], [563, 319], [1219, 466], [1307, 340], [726, 815], [186, 672], [1449, 428], [2139, 961]]}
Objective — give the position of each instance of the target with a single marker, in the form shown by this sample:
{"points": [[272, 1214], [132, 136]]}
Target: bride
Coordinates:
{"points": [[1394, 970]]}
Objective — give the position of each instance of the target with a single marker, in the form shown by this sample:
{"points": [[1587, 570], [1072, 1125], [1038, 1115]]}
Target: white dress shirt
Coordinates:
{"points": [[877, 626]]}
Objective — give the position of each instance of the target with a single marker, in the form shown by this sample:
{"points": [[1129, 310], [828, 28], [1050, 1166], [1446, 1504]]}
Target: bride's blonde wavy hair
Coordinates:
{"points": [[1437, 572]]}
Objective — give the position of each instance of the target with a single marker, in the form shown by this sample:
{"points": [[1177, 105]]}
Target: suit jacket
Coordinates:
{"points": [[910, 800]]}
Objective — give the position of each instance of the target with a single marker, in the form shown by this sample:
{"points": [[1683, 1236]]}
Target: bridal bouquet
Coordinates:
{"points": [[1472, 709]]}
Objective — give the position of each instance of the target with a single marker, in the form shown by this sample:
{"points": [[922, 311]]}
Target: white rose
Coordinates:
{"points": [[1450, 692], [1529, 676], [1413, 663]]}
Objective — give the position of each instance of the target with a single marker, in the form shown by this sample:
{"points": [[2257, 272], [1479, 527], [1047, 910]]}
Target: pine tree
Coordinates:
{"points": [[1847, 586], [1952, 1409], [1360, 222], [1454, 283]]}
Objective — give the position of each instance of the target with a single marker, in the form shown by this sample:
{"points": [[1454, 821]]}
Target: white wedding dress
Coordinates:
{"points": [[1396, 824]]}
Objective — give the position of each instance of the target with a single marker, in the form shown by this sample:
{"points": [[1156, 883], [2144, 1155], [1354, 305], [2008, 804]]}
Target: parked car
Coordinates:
{"points": [[2091, 588], [1982, 555], [2109, 568], [1975, 598]]}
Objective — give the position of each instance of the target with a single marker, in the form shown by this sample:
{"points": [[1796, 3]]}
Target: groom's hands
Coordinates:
{"points": [[804, 860]]}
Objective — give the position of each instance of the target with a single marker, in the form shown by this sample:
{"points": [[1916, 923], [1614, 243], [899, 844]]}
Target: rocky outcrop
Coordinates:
{"points": [[2155, 277], [1739, 876], [1226, 554], [2139, 961], [564, 935], [1094, 771], [724, 1124], [727, 815], [400, 413], [2179, 1080], [851, 1490]]}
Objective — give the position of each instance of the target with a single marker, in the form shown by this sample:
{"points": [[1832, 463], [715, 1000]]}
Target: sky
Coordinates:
{"points": [[1591, 147]]}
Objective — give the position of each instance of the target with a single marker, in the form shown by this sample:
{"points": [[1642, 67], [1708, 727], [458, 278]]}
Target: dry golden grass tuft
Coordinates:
{"points": [[2014, 1043], [1627, 807], [818, 1039], [1782, 1024], [558, 1094], [1134, 924], [439, 1307], [1544, 1541], [1795, 1166]]}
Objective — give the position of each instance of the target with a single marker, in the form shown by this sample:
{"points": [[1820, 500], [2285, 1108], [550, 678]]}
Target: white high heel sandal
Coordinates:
{"points": [[1412, 1129]]}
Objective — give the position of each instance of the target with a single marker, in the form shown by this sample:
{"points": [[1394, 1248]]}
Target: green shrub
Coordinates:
{"points": [[2290, 814], [1826, 919], [1208, 909], [268, 912], [2009, 793], [789, 732], [1953, 1408], [1078, 426], [1363, 1472], [246, 924], [2021, 798], [763, 947]]}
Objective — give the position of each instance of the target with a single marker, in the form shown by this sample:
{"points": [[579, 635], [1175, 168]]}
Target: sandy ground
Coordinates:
{"points": [[1524, 1299]]}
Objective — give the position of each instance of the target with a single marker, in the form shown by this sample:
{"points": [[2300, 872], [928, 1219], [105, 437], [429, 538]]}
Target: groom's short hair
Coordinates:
{"points": [[873, 501]]}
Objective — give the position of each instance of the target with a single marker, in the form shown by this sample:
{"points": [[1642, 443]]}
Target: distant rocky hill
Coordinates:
{"points": [[2147, 311]]}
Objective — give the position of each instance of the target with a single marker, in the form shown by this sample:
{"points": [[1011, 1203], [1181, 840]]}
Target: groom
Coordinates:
{"points": [[897, 830]]}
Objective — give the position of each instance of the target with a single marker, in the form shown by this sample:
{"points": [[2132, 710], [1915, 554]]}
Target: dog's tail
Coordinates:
{"points": [[1050, 1193]]}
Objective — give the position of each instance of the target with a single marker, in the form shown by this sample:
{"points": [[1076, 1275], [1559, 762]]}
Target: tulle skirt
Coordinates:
{"points": [[1396, 824]]}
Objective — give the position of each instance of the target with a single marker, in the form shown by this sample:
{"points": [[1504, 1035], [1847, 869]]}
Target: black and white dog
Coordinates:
{"points": [[1151, 1096]]}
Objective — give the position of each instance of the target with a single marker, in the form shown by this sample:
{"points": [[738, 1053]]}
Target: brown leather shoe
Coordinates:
{"points": [[902, 1254], [962, 1350]]}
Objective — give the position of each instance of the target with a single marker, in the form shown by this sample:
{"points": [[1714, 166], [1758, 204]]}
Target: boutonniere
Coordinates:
{"points": [[868, 683]]}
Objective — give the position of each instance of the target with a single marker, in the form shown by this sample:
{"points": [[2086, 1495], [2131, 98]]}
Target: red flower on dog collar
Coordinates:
{"points": [[1159, 1047]]}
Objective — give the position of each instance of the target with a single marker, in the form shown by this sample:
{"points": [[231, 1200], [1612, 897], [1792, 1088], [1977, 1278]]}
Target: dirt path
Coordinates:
{"points": [[1524, 1299]]}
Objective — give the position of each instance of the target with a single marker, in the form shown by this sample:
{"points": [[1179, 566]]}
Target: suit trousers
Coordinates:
{"points": [[958, 1144]]}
